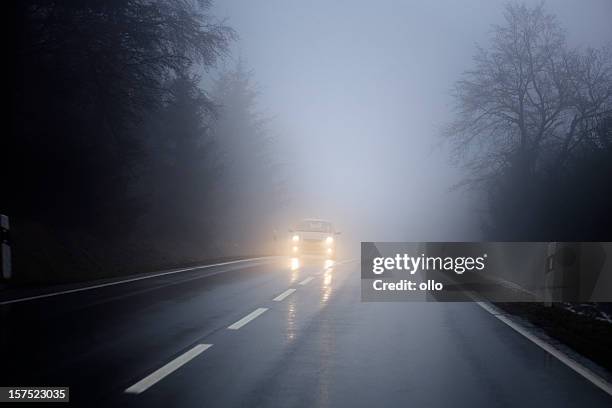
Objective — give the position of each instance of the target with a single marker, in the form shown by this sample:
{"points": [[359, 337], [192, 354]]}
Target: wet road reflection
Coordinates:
{"points": [[326, 287], [291, 321], [295, 270], [327, 341]]}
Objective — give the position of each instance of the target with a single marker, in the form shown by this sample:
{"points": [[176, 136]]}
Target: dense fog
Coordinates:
{"points": [[361, 93], [153, 134]]}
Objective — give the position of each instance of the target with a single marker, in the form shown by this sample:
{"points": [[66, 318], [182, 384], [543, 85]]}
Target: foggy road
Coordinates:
{"points": [[260, 333]]}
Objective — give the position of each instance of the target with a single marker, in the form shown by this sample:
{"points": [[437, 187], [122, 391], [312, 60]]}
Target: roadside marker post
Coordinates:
{"points": [[6, 246], [549, 276]]}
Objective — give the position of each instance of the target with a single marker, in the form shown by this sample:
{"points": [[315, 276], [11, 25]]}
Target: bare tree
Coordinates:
{"points": [[532, 127], [590, 106], [529, 99]]}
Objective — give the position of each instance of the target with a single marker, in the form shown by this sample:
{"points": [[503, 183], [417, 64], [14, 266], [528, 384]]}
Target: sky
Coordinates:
{"points": [[360, 91]]}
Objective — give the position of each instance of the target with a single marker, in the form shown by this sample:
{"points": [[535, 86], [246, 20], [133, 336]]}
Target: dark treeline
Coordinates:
{"points": [[534, 128], [118, 159]]}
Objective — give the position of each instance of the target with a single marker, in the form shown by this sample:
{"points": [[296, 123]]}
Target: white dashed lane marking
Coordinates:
{"points": [[169, 368], [254, 314], [306, 281], [284, 295]]}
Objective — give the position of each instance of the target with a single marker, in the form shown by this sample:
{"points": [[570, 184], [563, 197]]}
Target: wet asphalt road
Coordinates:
{"points": [[316, 346]]}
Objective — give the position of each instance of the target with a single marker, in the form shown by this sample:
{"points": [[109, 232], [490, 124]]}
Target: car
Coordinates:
{"points": [[313, 237]]}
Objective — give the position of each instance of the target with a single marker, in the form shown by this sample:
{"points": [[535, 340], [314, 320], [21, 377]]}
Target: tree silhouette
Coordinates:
{"points": [[528, 111]]}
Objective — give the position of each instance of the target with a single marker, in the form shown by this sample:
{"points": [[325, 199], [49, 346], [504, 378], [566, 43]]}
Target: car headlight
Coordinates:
{"points": [[329, 240], [295, 238]]}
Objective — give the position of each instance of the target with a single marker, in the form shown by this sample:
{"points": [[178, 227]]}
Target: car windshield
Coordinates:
{"points": [[314, 226]]}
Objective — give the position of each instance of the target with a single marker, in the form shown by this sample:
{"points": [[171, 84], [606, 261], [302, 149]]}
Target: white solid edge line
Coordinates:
{"points": [[63, 292], [550, 349], [306, 281], [284, 295], [254, 314], [167, 369]]}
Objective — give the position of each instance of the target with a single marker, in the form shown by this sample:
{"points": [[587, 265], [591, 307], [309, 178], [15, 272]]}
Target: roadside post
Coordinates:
{"points": [[549, 274], [6, 246], [562, 277]]}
